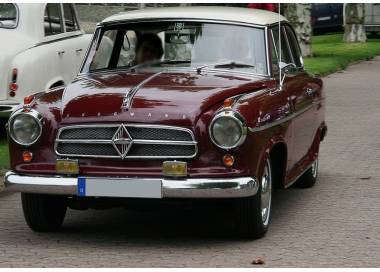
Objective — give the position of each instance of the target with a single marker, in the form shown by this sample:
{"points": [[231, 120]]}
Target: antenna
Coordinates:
{"points": [[279, 43]]}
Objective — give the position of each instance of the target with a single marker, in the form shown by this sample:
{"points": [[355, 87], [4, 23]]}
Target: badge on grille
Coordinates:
{"points": [[122, 141]]}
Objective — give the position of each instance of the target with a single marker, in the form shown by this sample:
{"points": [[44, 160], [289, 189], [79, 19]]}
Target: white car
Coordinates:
{"points": [[42, 47]]}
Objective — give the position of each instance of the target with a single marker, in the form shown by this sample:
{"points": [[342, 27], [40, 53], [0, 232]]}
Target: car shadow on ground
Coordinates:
{"points": [[174, 223]]}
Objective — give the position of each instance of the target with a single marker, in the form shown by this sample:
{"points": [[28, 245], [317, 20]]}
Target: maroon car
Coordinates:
{"points": [[173, 103]]}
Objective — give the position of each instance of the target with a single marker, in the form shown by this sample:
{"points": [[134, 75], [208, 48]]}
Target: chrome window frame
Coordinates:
{"points": [[102, 25]]}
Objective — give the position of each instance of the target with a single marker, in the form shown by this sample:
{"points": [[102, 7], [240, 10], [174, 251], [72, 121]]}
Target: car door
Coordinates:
{"points": [[295, 84], [51, 49], [303, 93], [74, 45]]}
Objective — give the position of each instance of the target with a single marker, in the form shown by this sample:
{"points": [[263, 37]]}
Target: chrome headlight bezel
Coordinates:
{"points": [[236, 118], [30, 113]]}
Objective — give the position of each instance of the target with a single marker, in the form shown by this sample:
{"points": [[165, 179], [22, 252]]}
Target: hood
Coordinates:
{"points": [[11, 44], [164, 98]]}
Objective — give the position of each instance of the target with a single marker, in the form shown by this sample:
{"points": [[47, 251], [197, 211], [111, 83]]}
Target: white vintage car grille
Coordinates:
{"points": [[126, 141]]}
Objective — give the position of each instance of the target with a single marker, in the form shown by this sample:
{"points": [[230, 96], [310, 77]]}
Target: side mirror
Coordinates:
{"points": [[287, 69]]}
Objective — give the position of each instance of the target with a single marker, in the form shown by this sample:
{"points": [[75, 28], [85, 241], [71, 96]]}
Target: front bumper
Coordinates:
{"points": [[171, 188]]}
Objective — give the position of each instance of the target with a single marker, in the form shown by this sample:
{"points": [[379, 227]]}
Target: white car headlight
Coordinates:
{"points": [[25, 127], [227, 130]]}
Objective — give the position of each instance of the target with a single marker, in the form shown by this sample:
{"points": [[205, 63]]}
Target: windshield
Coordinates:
{"points": [[166, 45], [8, 16]]}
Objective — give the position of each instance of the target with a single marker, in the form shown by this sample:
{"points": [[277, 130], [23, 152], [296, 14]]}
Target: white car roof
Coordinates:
{"points": [[242, 15]]}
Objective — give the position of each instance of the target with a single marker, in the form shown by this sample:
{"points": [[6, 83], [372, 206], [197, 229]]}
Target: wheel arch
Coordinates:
{"points": [[277, 151]]}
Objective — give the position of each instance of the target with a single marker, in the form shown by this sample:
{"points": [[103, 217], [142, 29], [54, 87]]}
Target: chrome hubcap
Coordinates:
{"points": [[314, 168], [266, 194]]}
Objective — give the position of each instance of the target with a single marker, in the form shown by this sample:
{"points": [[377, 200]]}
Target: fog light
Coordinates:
{"points": [[174, 169], [68, 167], [228, 160], [27, 156]]}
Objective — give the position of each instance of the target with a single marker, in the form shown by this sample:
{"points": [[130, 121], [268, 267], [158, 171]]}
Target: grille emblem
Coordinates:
{"points": [[122, 141]]}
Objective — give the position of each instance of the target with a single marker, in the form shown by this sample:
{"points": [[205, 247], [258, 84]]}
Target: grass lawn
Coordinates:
{"points": [[332, 54], [4, 155]]}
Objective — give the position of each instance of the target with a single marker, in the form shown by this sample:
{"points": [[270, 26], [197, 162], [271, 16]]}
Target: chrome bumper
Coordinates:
{"points": [[184, 188]]}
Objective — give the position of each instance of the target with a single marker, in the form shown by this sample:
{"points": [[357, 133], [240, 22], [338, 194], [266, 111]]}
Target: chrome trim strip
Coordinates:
{"points": [[280, 121], [133, 141], [171, 188], [127, 100]]}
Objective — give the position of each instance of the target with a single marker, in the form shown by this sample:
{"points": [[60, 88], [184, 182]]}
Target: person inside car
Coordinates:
{"points": [[148, 48]]}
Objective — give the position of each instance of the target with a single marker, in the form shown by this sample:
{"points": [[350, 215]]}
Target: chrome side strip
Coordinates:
{"points": [[127, 101], [280, 121]]}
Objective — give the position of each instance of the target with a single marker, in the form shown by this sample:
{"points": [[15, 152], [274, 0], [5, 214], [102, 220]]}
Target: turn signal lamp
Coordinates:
{"points": [[28, 99], [174, 169], [67, 167], [27, 156], [228, 103], [228, 160]]}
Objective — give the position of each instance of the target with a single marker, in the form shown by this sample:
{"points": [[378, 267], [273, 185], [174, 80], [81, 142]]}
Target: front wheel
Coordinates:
{"points": [[253, 213], [44, 213]]}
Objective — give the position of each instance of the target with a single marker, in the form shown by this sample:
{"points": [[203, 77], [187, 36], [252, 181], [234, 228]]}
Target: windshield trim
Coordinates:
{"points": [[17, 17], [102, 26]]}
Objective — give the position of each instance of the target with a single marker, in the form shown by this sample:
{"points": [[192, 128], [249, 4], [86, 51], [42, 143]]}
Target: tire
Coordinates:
{"points": [[44, 213], [309, 178], [251, 223]]}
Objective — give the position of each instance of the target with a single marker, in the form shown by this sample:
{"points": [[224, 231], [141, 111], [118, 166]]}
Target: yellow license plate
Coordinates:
{"points": [[69, 167], [174, 169]]}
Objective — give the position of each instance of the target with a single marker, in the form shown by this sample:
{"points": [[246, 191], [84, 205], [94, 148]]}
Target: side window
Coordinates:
{"points": [[53, 19], [294, 46], [104, 51], [70, 19], [286, 57]]}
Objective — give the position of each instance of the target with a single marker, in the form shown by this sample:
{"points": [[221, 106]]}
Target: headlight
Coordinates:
{"points": [[25, 127], [227, 130]]}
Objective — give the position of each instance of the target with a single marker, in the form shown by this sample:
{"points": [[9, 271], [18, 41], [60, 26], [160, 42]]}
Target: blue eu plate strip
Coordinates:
{"points": [[81, 186]]}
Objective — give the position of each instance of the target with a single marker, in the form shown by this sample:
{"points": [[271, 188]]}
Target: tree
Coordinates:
{"points": [[299, 17], [353, 23]]}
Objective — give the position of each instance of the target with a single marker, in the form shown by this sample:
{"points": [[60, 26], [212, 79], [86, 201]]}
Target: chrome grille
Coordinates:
{"points": [[126, 141]]}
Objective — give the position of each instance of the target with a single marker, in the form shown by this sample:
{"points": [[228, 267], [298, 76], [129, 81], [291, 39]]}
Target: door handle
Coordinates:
{"points": [[61, 53], [79, 50]]}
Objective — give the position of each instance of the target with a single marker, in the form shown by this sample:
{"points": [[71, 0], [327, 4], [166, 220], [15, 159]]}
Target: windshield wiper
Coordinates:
{"points": [[227, 65], [158, 62]]}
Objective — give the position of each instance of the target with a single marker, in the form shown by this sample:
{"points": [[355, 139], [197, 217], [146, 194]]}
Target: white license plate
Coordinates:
{"points": [[324, 18], [119, 187]]}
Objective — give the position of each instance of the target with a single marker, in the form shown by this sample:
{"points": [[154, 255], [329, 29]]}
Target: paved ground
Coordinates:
{"points": [[336, 223]]}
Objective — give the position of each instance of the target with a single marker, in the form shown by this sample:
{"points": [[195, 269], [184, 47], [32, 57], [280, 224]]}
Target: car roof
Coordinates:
{"points": [[242, 15]]}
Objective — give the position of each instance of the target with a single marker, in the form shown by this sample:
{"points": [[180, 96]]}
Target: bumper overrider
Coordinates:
{"points": [[132, 187]]}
